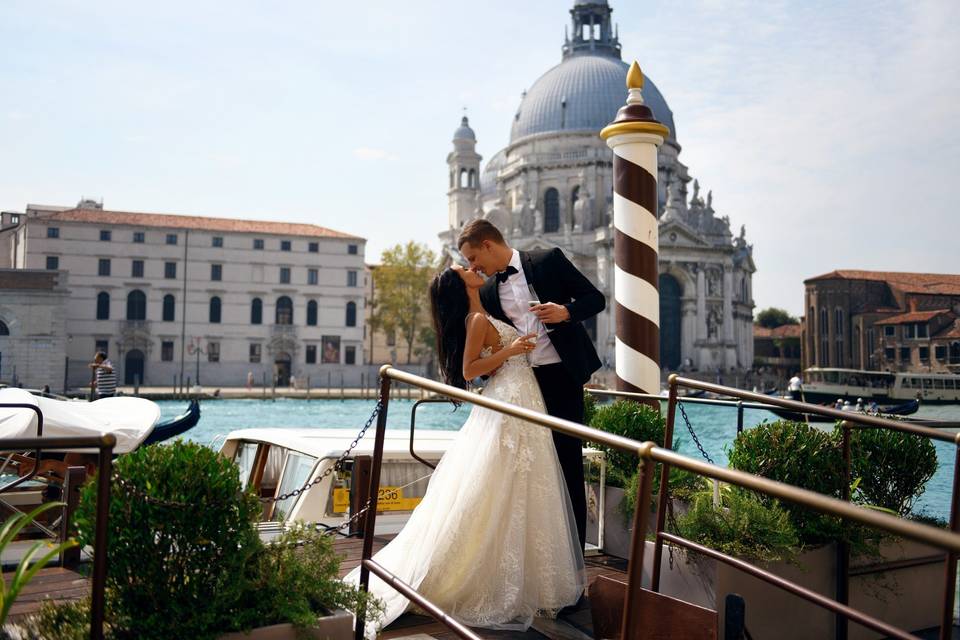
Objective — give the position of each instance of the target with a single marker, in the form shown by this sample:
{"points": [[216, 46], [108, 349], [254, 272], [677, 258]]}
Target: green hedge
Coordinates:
{"points": [[631, 420]]}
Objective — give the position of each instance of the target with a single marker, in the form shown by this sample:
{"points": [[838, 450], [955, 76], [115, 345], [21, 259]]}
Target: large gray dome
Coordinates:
{"points": [[582, 93]]}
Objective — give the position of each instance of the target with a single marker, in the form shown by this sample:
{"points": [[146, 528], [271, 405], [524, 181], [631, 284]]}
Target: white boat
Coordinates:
{"points": [[277, 461], [828, 384], [130, 419]]}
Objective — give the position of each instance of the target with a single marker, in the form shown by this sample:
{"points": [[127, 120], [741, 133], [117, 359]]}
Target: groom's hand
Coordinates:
{"points": [[551, 312]]}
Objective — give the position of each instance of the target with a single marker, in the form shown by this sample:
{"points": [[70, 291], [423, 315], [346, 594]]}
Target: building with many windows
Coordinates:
{"points": [[883, 321], [170, 294]]}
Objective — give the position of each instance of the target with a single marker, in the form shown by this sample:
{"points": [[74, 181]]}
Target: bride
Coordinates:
{"points": [[493, 542]]}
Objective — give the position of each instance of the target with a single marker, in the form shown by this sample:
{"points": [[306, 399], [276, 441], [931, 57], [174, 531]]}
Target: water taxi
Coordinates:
{"points": [[828, 384]]}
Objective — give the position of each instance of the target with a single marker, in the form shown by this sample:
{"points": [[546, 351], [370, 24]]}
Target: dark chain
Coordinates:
{"points": [[337, 466], [693, 434]]}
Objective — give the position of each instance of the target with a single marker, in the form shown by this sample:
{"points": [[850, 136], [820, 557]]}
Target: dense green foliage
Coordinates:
{"points": [[773, 317], [589, 407], [293, 578], [890, 468], [798, 454], [197, 568], [174, 571], [631, 420], [744, 526]]}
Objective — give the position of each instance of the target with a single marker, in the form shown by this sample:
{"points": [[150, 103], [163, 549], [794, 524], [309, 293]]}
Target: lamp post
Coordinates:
{"points": [[195, 348]]}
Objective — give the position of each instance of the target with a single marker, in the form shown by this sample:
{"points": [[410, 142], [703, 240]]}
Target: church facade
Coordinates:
{"points": [[552, 186]]}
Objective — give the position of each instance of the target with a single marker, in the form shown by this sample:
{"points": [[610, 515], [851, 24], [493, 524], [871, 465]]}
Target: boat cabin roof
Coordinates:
{"points": [[331, 443]]}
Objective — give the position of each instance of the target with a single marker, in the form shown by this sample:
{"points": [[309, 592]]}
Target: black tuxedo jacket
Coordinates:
{"points": [[555, 279]]}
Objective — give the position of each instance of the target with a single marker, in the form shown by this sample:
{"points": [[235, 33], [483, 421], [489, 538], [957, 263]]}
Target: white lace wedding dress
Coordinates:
{"points": [[493, 542]]}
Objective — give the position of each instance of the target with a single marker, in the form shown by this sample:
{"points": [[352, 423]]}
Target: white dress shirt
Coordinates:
{"points": [[514, 296]]}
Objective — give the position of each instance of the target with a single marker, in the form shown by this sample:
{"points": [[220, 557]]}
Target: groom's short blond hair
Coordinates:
{"points": [[478, 230]]}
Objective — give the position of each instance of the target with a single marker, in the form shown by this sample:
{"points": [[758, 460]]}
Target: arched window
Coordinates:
{"points": [[169, 308], [4, 331], [284, 313], [464, 176], [551, 210], [256, 311], [215, 309], [312, 313], [838, 335], [136, 305], [472, 182], [103, 306], [824, 332], [351, 314]]}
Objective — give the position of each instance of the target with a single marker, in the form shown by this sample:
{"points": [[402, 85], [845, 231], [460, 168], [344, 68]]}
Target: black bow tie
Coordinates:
{"points": [[506, 273]]}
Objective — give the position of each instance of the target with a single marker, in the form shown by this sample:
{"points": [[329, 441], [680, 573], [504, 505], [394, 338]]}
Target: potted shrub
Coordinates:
{"points": [[631, 420], [889, 470], [186, 560]]}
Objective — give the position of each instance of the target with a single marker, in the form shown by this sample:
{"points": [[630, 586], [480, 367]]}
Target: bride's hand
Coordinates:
{"points": [[523, 344]]}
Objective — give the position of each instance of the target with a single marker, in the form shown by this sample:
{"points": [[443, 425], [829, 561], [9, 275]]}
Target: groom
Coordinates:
{"points": [[564, 357]]}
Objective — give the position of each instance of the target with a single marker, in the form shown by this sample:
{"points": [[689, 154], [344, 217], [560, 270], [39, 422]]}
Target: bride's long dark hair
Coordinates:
{"points": [[450, 304]]}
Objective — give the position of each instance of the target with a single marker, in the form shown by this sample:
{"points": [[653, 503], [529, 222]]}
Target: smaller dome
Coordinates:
{"points": [[464, 132]]}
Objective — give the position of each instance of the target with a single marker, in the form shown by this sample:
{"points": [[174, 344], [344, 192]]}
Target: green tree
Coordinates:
{"points": [[400, 302], [772, 317]]}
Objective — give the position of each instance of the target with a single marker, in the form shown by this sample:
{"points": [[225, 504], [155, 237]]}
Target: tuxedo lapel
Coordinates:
{"points": [[490, 297]]}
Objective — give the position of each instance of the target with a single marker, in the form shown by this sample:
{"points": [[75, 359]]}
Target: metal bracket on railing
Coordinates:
{"points": [[413, 422]]}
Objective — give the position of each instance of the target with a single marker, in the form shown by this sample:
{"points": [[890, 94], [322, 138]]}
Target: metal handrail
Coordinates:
{"points": [[848, 420], [105, 443], [648, 453], [36, 466]]}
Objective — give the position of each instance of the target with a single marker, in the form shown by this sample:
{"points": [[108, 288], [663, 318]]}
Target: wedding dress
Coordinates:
{"points": [[493, 542]]}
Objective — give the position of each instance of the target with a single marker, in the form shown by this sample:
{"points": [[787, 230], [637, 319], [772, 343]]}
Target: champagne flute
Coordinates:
{"points": [[533, 301]]}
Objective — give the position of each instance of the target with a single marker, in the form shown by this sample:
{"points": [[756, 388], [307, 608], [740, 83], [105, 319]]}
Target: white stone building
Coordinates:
{"points": [[551, 186], [270, 298], [32, 337]]}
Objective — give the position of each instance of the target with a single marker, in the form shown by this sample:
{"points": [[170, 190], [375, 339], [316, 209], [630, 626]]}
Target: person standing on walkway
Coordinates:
{"points": [[105, 378]]}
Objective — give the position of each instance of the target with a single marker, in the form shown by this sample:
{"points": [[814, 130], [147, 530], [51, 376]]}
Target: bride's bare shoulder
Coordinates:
{"points": [[478, 321]]}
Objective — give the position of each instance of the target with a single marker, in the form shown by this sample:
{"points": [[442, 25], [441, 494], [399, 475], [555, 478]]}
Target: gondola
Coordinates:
{"points": [[904, 409], [175, 427]]}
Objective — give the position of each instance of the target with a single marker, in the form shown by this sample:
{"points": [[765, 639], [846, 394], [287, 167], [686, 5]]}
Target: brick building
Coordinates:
{"points": [[778, 349], [883, 321]]}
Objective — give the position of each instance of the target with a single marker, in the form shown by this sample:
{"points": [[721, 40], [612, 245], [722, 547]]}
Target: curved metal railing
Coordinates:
{"points": [[649, 454]]}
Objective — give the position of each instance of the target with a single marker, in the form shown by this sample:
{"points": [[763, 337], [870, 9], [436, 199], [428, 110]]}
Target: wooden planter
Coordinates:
{"points": [[907, 597], [336, 626]]}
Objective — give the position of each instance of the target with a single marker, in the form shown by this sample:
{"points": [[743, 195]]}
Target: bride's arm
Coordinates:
{"points": [[473, 365]]}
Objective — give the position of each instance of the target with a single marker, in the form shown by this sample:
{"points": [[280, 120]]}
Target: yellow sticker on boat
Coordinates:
{"points": [[389, 499]]}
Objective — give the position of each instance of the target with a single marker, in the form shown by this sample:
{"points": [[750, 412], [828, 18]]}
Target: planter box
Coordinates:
{"points": [[907, 597], [616, 527], [336, 626]]}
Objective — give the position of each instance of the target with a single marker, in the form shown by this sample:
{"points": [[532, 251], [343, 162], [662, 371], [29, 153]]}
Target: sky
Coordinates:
{"points": [[829, 129]]}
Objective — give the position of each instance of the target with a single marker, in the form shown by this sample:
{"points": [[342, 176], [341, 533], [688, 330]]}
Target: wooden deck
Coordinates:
{"points": [[54, 583]]}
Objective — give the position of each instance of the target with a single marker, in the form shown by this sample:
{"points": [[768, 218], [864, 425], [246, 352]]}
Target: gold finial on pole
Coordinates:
{"points": [[634, 77]]}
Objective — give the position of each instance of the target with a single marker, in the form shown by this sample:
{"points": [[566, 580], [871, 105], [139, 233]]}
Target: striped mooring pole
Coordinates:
{"points": [[634, 136]]}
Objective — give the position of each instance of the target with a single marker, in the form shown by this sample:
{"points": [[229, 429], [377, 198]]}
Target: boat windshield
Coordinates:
{"points": [[296, 472], [246, 454]]}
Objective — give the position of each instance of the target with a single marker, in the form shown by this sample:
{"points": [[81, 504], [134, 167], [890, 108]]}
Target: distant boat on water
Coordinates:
{"points": [[826, 385]]}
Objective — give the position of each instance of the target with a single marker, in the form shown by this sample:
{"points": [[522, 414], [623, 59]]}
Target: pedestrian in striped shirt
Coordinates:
{"points": [[105, 378]]}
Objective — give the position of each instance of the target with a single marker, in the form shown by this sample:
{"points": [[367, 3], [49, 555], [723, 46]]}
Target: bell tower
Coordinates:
{"points": [[463, 164]]}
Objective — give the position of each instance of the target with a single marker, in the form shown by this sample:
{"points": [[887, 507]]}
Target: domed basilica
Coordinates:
{"points": [[552, 186]]}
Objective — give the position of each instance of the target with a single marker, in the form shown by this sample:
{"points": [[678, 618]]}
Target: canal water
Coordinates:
{"points": [[715, 426]]}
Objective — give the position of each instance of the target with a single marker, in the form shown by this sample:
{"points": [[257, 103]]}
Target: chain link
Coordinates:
{"points": [[336, 466], [693, 434]]}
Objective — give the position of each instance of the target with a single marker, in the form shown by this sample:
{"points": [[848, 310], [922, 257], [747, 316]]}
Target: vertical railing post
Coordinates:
{"points": [[370, 519], [70, 558], [662, 502], [359, 491], [104, 473], [739, 417], [641, 513], [843, 545], [950, 573]]}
